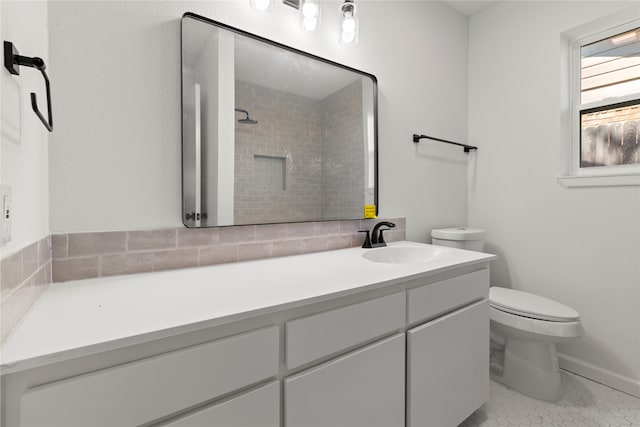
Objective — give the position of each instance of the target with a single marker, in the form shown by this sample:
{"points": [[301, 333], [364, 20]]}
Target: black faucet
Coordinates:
{"points": [[376, 240]]}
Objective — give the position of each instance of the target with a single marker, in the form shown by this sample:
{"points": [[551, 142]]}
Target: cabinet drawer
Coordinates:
{"points": [[322, 334], [438, 298], [138, 392], [257, 408], [364, 388]]}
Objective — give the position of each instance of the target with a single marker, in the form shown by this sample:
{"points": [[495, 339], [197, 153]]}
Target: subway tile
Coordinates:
{"points": [[286, 247], [350, 226], [11, 272], [75, 269], [338, 242], [395, 235], [198, 237], [238, 234], [29, 260], [219, 254], [314, 244], [99, 243], [38, 279], [48, 274], [271, 232], [179, 258], [301, 229], [401, 223], [111, 265], [324, 228], [13, 309], [253, 251], [44, 251], [140, 240], [60, 246]]}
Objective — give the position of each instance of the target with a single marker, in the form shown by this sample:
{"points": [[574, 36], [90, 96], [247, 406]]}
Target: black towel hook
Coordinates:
{"points": [[12, 62]]}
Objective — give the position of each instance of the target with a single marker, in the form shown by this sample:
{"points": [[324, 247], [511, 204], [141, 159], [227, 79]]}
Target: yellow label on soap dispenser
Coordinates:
{"points": [[370, 211]]}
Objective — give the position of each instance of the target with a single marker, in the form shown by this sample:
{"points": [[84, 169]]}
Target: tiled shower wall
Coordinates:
{"points": [[318, 143], [89, 255], [343, 173], [288, 128], [24, 276]]}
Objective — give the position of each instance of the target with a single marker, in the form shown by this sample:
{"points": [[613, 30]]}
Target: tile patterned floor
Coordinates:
{"points": [[584, 403]]}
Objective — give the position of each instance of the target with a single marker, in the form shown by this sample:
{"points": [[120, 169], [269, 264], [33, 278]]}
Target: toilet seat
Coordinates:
{"points": [[529, 305]]}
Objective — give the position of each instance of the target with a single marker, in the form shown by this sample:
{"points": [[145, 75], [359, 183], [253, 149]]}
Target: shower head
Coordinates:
{"points": [[246, 120]]}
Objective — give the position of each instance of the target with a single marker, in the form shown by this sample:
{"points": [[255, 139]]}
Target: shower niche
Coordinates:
{"points": [[272, 134]]}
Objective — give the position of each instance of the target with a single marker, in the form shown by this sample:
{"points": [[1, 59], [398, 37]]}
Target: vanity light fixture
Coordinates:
{"points": [[309, 14], [309, 11], [349, 22]]}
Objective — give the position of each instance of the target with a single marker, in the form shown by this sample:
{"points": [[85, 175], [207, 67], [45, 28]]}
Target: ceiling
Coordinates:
{"points": [[470, 8]]}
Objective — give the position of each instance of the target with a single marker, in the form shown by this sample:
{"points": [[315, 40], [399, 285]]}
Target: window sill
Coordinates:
{"points": [[617, 180]]}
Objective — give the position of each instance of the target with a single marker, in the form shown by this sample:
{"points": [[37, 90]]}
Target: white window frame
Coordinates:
{"points": [[576, 176]]}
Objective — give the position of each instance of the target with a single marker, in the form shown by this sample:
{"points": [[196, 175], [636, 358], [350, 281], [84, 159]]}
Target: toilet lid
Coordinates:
{"points": [[530, 305]]}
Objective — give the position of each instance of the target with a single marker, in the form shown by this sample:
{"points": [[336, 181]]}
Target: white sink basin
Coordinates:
{"points": [[403, 254]]}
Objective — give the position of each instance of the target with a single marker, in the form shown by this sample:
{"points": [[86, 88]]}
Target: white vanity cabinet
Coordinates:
{"points": [[408, 349]]}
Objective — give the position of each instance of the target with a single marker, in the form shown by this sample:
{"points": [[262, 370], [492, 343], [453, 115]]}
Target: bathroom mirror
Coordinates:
{"points": [[271, 134]]}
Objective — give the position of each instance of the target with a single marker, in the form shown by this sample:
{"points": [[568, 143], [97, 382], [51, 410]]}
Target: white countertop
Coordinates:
{"points": [[82, 317]]}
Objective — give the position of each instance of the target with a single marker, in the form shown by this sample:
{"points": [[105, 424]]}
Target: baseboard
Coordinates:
{"points": [[603, 376]]}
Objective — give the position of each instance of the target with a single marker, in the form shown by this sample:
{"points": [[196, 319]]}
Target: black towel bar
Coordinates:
{"points": [[467, 148]]}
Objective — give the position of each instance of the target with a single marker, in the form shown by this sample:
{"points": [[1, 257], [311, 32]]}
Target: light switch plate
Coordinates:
{"points": [[7, 213]]}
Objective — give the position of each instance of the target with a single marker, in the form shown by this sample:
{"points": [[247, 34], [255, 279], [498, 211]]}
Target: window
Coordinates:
{"points": [[605, 104]]}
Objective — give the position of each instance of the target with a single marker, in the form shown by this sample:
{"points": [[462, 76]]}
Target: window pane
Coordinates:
{"points": [[609, 135], [610, 67]]}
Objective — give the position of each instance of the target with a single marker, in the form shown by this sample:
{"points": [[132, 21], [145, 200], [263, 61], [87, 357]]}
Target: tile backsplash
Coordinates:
{"points": [[100, 254], [24, 276]]}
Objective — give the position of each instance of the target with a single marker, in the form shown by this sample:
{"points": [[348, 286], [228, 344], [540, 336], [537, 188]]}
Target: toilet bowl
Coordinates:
{"points": [[530, 326], [525, 329]]}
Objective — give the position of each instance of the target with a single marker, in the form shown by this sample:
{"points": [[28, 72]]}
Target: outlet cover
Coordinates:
{"points": [[7, 213]]}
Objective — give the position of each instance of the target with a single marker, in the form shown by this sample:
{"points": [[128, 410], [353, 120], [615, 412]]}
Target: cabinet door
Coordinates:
{"points": [[363, 388], [257, 408], [448, 367]]}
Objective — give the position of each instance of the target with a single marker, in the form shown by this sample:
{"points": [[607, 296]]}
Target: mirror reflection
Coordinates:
{"points": [[271, 134]]}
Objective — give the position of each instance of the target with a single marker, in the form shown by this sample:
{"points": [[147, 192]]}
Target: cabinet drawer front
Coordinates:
{"points": [[364, 388], [257, 408], [322, 334], [138, 392], [435, 299]]}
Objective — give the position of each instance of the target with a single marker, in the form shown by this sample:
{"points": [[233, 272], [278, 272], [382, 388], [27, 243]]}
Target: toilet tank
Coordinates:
{"points": [[471, 239]]}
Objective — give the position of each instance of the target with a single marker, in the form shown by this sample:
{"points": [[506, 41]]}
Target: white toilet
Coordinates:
{"points": [[524, 328]]}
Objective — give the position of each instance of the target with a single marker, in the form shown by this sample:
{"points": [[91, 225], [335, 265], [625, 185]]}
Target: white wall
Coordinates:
{"points": [[115, 155], [580, 246], [24, 140]]}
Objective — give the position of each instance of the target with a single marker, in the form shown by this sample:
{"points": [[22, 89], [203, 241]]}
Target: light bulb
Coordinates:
{"points": [[309, 10], [310, 24], [349, 25], [260, 5], [309, 14], [347, 37]]}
